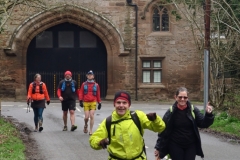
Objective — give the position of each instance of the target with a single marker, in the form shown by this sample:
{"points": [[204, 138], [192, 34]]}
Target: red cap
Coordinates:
{"points": [[122, 95], [68, 72]]}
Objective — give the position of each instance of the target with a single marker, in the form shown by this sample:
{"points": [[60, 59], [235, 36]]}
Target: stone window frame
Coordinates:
{"points": [[158, 6], [151, 69]]}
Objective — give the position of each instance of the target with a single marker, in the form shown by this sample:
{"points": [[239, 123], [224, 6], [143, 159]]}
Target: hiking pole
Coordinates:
{"points": [[28, 108]]}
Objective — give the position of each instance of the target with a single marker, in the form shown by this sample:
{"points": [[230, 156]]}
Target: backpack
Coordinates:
{"points": [[64, 86], [86, 88], [34, 88], [135, 119], [192, 110]]}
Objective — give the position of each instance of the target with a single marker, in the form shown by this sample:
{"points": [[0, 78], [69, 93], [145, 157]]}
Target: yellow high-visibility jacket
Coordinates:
{"points": [[127, 143]]}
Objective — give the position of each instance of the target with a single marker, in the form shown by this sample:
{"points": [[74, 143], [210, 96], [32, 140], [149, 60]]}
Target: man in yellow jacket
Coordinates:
{"points": [[124, 137]]}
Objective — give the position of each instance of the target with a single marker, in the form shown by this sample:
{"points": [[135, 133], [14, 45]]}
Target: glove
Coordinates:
{"points": [[48, 102], [152, 116], [28, 101], [99, 106], [103, 143], [81, 103]]}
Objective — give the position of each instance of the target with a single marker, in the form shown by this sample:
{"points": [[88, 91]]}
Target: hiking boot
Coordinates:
{"points": [[65, 128], [40, 126], [73, 128], [40, 129]]}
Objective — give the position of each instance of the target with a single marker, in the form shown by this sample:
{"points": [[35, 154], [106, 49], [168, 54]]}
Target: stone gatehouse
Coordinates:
{"points": [[82, 35]]}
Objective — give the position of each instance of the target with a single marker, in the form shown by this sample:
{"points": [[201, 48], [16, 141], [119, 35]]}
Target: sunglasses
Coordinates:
{"points": [[182, 97]]}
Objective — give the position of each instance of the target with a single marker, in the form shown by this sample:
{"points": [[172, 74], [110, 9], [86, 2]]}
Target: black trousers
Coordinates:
{"points": [[182, 153]]}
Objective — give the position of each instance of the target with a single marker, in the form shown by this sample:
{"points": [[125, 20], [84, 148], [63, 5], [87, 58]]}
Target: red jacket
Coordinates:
{"points": [[89, 97]]}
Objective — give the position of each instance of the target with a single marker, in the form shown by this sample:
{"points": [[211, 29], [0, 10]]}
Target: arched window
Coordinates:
{"points": [[160, 19]]}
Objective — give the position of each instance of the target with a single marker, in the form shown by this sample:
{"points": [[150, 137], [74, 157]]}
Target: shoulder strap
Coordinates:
{"points": [[41, 87], [95, 89], [33, 87], [73, 86], [85, 87], [170, 109], [108, 127], [134, 117], [192, 111], [63, 86], [136, 121]]}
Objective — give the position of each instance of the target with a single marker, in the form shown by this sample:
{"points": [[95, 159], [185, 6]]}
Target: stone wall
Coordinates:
{"points": [[181, 64]]}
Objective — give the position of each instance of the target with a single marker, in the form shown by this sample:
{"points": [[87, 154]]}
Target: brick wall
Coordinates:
{"points": [[181, 62]]}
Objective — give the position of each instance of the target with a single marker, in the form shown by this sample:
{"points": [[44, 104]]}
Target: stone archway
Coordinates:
{"points": [[83, 17]]}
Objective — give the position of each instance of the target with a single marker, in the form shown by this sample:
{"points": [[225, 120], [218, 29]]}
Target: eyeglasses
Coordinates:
{"points": [[182, 97]]}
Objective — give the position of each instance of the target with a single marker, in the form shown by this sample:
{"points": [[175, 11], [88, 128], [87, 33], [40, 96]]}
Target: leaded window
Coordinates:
{"points": [[160, 19], [152, 71]]}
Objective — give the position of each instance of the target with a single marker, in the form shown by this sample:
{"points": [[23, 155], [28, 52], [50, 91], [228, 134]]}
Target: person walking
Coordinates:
{"points": [[67, 92], [181, 139], [37, 95], [89, 95], [122, 132]]}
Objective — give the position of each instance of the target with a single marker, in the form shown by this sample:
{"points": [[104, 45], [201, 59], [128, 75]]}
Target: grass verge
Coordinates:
{"points": [[225, 123], [11, 146]]}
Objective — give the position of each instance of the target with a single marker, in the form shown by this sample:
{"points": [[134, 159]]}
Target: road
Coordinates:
{"points": [[55, 144]]}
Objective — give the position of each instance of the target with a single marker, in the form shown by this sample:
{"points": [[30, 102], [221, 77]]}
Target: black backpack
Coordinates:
{"points": [[135, 119], [34, 88]]}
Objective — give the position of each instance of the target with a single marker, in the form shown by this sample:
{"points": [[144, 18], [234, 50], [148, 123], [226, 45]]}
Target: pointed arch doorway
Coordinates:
{"points": [[67, 47]]}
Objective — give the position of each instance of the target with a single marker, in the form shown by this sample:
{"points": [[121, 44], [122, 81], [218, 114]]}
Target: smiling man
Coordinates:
{"points": [[122, 132]]}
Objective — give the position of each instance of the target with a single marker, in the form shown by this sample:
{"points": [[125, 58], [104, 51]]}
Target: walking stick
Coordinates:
{"points": [[28, 107]]}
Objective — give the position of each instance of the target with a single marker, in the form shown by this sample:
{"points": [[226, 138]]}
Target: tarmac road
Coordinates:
{"points": [[55, 144]]}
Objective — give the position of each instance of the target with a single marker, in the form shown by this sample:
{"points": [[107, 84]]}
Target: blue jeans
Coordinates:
{"points": [[38, 115]]}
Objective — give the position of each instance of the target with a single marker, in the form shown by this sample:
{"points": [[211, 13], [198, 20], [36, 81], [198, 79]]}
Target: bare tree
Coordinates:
{"points": [[225, 35], [7, 7]]}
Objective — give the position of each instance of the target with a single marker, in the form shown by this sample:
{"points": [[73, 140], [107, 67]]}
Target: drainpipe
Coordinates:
{"points": [[136, 46]]}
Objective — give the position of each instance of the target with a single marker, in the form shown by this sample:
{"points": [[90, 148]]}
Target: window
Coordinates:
{"points": [[65, 39], [160, 19], [87, 40], [44, 40], [151, 71]]}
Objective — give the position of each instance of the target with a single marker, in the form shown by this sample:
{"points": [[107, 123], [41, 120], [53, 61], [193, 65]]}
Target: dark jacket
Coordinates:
{"points": [[200, 121], [67, 94]]}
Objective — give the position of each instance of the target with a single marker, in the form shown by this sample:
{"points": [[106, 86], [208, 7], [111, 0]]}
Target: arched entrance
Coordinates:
{"points": [[67, 47], [80, 16]]}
